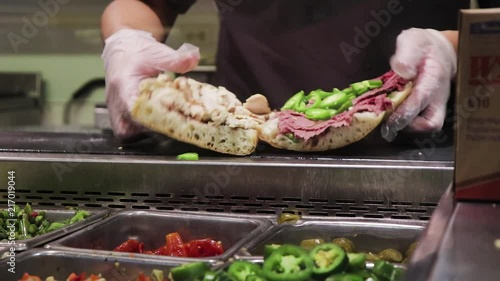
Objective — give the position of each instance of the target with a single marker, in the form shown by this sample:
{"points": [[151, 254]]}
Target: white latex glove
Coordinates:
{"points": [[130, 56], [427, 58]]}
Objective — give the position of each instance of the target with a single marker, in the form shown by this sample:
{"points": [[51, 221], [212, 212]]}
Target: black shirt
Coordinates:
{"points": [[279, 47]]}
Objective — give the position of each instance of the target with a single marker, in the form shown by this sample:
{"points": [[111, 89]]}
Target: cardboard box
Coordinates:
{"points": [[477, 142]]}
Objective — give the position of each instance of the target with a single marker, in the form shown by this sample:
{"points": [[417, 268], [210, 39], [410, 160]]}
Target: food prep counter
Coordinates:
{"points": [[378, 198]]}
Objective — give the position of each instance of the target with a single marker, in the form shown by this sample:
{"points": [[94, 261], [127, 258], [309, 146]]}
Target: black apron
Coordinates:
{"points": [[279, 47]]}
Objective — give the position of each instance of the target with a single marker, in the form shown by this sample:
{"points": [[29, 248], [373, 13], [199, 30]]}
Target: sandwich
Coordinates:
{"points": [[321, 120], [200, 114]]}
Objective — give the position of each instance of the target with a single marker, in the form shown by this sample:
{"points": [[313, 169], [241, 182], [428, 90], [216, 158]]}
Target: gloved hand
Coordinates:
{"points": [[130, 56], [427, 58]]}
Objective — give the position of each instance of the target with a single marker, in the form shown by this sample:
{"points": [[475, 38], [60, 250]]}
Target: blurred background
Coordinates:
{"points": [[47, 58], [51, 73]]}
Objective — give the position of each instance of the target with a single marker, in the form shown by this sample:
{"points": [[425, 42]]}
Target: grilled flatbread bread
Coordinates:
{"points": [[197, 113], [361, 125]]}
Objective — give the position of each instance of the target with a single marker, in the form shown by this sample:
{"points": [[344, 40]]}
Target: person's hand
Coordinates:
{"points": [[427, 58], [130, 56]]}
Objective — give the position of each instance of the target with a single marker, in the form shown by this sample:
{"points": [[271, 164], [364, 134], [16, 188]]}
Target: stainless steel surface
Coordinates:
{"points": [[56, 215], [45, 263], [467, 250], [426, 254], [319, 186], [103, 237], [368, 235]]}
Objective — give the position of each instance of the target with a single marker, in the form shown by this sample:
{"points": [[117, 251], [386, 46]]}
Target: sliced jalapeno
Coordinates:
{"points": [[290, 104], [300, 106], [322, 94], [316, 98], [328, 259], [189, 271]]}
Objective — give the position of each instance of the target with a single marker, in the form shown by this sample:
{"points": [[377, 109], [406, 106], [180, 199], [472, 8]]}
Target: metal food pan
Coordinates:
{"points": [[366, 235], [55, 214], [60, 264], [150, 227]]}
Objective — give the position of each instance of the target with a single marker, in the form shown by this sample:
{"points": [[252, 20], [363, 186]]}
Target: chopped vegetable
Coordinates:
{"points": [[241, 270], [290, 263], [190, 156], [391, 255], [290, 104], [269, 249], [190, 271], [328, 259], [174, 246], [30, 223]]}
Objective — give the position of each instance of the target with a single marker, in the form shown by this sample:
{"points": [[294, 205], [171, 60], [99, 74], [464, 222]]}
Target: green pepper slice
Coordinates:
{"points": [[384, 270], [269, 249], [209, 276], [328, 258], [255, 278], [301, 106], [290, 263], [345, 277], [391, 255], [374, 84], [356, 261], [322, 94], [345, 244], [190, 156], [240, 270], [189, 271], [334, 101], [319, 114], [348, 90], [317, 100], [290, 104]]}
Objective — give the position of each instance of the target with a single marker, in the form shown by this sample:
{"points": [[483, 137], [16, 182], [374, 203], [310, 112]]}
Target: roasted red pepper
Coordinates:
{"points": [[203, 248], [175, 246], [143, 277], [130, 246]]}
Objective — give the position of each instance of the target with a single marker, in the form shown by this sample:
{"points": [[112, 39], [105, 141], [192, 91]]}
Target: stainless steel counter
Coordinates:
{"points": [[461, 243]]}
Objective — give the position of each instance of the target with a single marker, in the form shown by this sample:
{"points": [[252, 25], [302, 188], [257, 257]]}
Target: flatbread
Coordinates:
{"points": [[362, 124], [195, 113]]}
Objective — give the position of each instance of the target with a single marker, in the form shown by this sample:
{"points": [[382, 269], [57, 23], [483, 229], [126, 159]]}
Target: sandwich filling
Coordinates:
{"points": [[375, 100]]}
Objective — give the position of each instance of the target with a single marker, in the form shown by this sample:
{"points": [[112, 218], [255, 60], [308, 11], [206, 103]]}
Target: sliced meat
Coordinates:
{"points": [[373, 101]]}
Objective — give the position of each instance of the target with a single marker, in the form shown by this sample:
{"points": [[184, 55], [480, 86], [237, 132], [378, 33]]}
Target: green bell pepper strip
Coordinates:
{"points": [[288, 263], [55, 225], [317, 101], [190, 156], [24, 225], [223, 276], [329, 259], [322, 94], [345, 106], [334, 101], [290, 104], [269, 249], [300, 106], [190, 271], [240, 270], [27, 209], [374, 84], [319, 114], [345, 277], [348, 90]]}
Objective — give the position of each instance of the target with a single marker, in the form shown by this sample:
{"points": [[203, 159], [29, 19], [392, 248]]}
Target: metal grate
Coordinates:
{"points": [[341, 207]]}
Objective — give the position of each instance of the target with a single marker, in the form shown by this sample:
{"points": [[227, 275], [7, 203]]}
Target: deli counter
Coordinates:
{"points": [[379, 197]]}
